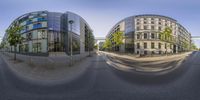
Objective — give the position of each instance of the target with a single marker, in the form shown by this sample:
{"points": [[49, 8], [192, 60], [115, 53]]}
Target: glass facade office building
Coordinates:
{"points": [[46, 32]]}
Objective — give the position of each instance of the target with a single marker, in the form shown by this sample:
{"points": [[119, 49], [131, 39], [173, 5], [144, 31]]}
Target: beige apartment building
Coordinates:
{"points": [[142, 35]]}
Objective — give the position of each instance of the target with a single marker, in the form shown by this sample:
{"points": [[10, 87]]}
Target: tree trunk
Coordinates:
{"points": [[14, 52], [89, 44]]}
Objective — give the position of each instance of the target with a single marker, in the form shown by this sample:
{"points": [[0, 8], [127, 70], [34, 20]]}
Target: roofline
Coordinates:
{"points": [[144, 15]]}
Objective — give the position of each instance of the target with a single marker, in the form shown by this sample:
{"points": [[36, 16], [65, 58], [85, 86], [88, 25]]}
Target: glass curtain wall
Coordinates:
{"points": [[55, 36], [55, 42]]}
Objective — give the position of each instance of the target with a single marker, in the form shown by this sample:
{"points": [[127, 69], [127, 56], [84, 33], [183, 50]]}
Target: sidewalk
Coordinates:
{"points": [[156, 58], [145, 64], [46, 74]]}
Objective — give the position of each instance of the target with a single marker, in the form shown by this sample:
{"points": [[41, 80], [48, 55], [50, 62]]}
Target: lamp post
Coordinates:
{"points": [[71, 52]]}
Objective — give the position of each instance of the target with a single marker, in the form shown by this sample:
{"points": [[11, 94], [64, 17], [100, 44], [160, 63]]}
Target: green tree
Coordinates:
{"points": [[185, 46], [89, 41], [14, 37], [194, 47], [118, 38], [107, 44], [166, 36], [96, 46], [2, 45]]}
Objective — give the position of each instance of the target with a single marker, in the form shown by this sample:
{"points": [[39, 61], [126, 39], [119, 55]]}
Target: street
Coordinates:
{"points": [[102, 82]]}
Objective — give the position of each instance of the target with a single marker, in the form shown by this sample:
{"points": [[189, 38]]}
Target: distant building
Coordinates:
{"points": [[99, 41], [46, 32], [142, 36]]}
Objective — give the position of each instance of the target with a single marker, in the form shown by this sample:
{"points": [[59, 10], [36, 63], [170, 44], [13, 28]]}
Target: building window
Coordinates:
{"points": [[159, 45], [159, 36], [29, 21], [41, 34], [138, 36], [145, 27], [171, 26], [145, 22], [29, 36], [159, 23], [138, 45], [145, 52], [38, 25], [138, 28], [165, 45], [152, 27], [145, 35], [145, 45], [26, 48], [152, 45], [152, 22], [159, 28], [118, 29], [41, 19], [152, 35], [36, 47], [27, 27]]}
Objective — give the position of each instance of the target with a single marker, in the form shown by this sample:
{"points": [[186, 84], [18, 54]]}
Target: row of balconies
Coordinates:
{"points": [[34, 20], [31, 16], [34, 26], [153, 28], [154, 19]]}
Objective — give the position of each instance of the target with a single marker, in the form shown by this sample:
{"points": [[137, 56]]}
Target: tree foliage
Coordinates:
{"points": [[166, 35], [185, 45], [194, 47], [2, 45], [91, 40], [118, 38], [107, 44], [96, 46], [14, 37]]}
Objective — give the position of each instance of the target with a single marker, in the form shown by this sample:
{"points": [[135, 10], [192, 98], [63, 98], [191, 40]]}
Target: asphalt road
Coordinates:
{"points": [[102, 82]]}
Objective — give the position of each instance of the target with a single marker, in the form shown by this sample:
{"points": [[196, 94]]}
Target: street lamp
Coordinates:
{"points": [[71, 22]]}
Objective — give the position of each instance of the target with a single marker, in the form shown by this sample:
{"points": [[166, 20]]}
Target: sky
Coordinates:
{"points": [[102, 15]]}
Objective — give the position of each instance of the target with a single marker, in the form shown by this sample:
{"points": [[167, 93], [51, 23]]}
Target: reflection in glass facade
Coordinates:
{"points": [[47, 32]]}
